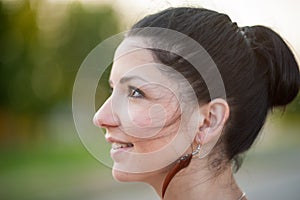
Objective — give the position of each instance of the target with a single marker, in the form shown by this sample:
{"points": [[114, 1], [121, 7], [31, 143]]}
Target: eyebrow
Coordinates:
{"points": [[125, 79]]}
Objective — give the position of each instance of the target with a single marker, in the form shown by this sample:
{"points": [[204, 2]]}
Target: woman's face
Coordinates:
{"points": [[144, 115]]}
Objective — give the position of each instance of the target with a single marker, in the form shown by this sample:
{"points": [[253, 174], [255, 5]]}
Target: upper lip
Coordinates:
{"points": [[111, 139]]}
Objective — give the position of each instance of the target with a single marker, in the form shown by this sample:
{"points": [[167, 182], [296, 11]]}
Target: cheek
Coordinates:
{"points": [[148, 119], [139, 115], [147, 116]]}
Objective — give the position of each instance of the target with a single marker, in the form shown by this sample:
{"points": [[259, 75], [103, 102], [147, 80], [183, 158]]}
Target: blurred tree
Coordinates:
{"points": [[42, 47]]}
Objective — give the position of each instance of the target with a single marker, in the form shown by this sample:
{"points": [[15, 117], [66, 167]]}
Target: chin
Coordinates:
{"points": [[122, 176]]}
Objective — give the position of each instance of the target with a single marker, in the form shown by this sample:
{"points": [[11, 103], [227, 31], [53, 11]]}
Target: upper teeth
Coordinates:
{"points": [[119, 145]]}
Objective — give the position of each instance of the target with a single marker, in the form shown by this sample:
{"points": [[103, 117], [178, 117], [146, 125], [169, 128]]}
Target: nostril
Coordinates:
{"points": [[104, 121], [105, 117]]}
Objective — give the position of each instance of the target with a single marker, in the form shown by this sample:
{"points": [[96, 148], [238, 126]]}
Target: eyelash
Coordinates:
{"points": [[133, 90]]}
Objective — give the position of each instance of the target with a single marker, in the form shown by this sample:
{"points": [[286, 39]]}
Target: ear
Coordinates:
{"points": [[216, 114]]}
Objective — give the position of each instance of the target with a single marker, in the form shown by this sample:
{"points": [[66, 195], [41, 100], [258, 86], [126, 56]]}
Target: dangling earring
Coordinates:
{"points": [[182, 162], [197, 150]]}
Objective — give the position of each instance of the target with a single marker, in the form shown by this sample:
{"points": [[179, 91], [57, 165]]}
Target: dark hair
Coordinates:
{"points": [[258, 69]]}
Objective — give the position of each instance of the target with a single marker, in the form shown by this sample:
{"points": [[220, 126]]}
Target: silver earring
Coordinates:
{"points": [[190, 155], [197, 150]]}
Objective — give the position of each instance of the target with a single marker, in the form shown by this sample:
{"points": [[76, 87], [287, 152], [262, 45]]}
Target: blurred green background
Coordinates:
{"points": [[42, 46]]}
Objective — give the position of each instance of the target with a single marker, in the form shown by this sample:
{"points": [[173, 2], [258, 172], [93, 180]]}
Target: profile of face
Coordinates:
{"points": [[146, 118]]}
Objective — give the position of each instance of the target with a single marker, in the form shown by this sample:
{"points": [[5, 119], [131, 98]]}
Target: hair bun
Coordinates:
{"points": [[283, 70]]}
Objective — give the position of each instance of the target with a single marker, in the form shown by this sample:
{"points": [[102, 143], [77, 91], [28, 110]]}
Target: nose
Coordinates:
{"points": [[105, 116]]}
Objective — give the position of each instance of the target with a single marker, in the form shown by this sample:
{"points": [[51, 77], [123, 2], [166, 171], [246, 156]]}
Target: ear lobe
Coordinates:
{"points": [[213, 124]]}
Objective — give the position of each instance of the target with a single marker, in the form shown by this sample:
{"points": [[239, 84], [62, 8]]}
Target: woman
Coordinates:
{"points": [[172, 124]]}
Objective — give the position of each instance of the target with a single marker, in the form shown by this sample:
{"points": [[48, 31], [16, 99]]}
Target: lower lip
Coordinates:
{"points": [[115, 153]]}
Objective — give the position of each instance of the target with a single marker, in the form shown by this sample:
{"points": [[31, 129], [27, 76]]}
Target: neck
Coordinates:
{"points": [[197, 181]]}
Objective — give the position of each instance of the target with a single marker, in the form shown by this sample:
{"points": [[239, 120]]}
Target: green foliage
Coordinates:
{"points": [[42, 48]]}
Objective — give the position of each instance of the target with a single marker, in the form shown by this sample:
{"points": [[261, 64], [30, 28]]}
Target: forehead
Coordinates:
{"points": [[132, 59]]}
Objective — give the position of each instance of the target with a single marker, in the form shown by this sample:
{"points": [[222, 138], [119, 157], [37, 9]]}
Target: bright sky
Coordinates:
{"points": [[281, 15]]}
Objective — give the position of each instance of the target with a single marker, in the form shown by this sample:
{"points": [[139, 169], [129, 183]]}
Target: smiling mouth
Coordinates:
{"points": [[116, 146]]}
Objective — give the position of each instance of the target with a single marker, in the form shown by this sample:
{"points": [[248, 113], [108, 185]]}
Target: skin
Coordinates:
{"points": [[148, 112]]}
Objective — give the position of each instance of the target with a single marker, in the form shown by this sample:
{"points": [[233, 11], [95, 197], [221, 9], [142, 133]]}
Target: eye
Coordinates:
{"points": [[135, 92]]}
